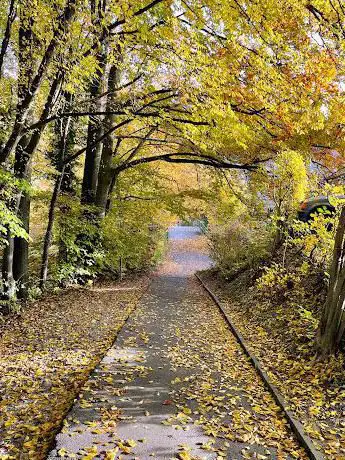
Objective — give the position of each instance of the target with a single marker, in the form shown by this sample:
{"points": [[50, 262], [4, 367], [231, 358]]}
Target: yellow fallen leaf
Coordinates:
{"points": [[111, 454], [184, 455]]}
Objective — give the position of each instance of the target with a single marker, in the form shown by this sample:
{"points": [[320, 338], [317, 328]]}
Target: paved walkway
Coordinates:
{"points": [[175, 384]]}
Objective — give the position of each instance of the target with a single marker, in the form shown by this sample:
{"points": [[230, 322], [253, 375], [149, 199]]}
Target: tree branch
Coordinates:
{"points": [[104, 135], [107, 112], [139, 12], [138, 113], [140, 144], [119, 88], [181, 158]]}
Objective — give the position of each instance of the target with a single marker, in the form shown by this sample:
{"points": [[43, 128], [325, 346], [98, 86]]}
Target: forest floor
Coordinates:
{"points": [[280, 329], [176, 384]]}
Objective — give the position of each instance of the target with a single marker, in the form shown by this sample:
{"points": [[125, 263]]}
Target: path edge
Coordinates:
{"points": [[92, 371], [294, 423]]}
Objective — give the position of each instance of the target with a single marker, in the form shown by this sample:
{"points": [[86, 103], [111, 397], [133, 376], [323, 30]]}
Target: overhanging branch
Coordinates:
{"points": [[188, 158]]}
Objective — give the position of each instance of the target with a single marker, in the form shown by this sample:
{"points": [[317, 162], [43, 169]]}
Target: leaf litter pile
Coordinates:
{"points": [[281, 334], [47, 353]]}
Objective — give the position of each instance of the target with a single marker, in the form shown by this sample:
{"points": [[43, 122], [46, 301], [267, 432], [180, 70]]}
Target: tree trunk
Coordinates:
{"points": [[9, 289], [332, 323], [24, 152], [21, 250], [95, 129], [49, 232], [33, 82], [15, 260], [105, 172], [110, 192], [26, 147], [65, 131]]}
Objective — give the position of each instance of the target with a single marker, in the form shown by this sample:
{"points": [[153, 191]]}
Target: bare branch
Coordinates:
{"points": [[119, 88], [97, 141], [140, 144]]}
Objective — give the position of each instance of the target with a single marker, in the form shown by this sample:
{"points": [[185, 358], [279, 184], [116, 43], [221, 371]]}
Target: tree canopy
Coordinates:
{"points": [[97, 94]]}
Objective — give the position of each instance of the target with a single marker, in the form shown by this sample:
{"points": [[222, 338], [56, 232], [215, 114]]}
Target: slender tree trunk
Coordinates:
{"points": [[332, 323], [9, 285], [279, 231], [49, 232], [9, 289], [66, 140]]}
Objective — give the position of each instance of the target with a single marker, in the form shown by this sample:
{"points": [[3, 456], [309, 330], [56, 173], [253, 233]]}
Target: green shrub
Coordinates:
{"points": [[131, 238], [240, 245]]}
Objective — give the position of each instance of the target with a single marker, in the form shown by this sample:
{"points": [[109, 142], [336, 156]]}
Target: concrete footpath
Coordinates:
{"points": [[175, 384]]}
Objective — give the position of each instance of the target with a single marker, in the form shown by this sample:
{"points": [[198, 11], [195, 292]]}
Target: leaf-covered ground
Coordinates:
{"points": [[176, 384], [47, 353], [280, 330]]}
